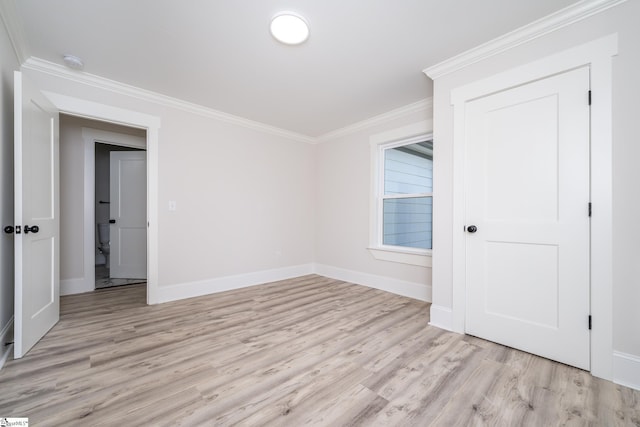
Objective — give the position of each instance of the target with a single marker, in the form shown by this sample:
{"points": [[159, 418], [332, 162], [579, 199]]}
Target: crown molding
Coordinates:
{"points": [[424, 105], [532, 31], [50, 68], [13, 24]]}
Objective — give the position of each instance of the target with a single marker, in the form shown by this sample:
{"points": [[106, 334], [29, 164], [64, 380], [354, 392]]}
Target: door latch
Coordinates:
{"points": [[11, 229]]}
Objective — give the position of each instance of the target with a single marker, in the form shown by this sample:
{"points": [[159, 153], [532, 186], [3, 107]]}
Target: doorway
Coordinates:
{"points": [[85, 150], [120, 196]]}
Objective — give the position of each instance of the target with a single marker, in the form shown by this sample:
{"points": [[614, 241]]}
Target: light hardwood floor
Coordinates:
{"points": [[306, 351]]}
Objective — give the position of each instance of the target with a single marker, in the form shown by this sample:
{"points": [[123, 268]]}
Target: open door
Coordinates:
{"points": [[128, 230], [37, 230]]}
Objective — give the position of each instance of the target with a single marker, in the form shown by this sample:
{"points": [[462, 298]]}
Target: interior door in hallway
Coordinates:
{"points": [[128, 218], [36, 215], [527, 217]]}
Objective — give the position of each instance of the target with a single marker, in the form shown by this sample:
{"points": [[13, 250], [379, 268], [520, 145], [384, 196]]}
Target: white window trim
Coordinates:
{"points": [[415, 132]]}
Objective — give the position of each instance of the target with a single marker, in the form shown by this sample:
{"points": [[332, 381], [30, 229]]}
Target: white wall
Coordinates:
{"points": [[626, 203], [8, 63], [245, 198], [343, 210], [71, 199]]}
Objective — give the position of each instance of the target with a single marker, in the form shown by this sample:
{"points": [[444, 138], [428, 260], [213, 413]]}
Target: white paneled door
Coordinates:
{"points": [[128, 230], [36, 182], [527, 217]]}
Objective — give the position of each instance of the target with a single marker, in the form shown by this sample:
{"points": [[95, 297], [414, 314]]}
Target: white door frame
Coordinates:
{"points": [[598, 56], [91, 137], [95, 111]]}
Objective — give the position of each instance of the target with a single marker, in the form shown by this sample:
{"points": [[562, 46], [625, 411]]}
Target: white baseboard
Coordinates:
{"points": [[77, 286], [6, 336], [626, 370], [413, 290], [221, 284], [441, 317]]}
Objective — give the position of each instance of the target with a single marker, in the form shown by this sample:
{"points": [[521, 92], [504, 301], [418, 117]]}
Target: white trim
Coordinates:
{"points": [[92, 80], [403, 132], [402, 256], [602, 200], [50, 68], [406, 134], [114, 138], [221, 284], [598, 56], [419, 291], [97, 111], [17, 215], [94, 110], [626, 370], [424, 105], [13, 24], [441, 317], [6, 336], [532, 31]]}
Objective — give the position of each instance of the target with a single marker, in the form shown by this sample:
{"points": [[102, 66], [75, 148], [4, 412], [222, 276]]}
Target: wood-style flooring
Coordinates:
{"points": [[305, 351]]}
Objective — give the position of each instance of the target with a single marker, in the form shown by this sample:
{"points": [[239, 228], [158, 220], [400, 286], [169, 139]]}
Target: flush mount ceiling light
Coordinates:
{"points": [[72, 61], [289, 28]]}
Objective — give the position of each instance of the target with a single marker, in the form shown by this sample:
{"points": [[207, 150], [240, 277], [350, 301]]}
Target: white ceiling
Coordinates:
{"points": [[363, 57]]}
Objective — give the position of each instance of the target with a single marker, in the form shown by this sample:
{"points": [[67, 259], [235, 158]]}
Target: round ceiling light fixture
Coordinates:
{"points": [[289, 28], [74, 62]]}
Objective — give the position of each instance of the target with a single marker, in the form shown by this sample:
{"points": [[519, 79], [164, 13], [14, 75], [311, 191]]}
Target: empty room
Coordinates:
{"points": [[329, 213]]}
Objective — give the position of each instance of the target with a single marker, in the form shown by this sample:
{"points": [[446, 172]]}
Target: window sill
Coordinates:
{"points": [[421, 258]]}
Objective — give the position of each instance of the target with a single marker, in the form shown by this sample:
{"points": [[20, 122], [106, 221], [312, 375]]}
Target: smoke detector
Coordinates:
{"points": [[73, 62]]}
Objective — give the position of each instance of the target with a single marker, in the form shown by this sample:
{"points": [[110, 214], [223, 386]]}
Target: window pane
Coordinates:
{"points": [[409, 169], [407, 222]]}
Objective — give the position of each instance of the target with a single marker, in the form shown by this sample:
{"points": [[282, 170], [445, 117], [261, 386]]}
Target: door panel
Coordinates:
{"points": [[128, 187], [524, 187], [527, 192], [36, 182], [528, 288]]}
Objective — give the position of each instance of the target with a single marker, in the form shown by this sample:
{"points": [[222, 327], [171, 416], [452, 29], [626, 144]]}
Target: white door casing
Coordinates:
{"points": [[36, 182], [527, 191], [93, 110], [128, 196], [598, 54]]}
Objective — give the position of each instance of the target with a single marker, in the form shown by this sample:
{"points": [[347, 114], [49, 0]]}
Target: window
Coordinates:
{"points": [[406, 194], [402, 200]]}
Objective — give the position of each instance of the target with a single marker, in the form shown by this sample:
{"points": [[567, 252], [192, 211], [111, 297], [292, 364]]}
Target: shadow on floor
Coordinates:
{"points": [[104, 281]]}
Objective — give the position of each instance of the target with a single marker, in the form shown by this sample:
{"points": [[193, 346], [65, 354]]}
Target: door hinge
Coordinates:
{"points": [[589, 208], [589, 322], [589, 97]]}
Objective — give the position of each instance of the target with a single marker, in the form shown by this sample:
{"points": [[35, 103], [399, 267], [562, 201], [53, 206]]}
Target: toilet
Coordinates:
{"points": [[103, 241]]}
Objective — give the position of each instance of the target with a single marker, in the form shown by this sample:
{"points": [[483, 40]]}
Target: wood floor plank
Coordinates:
{"points": [[305, 351]]}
